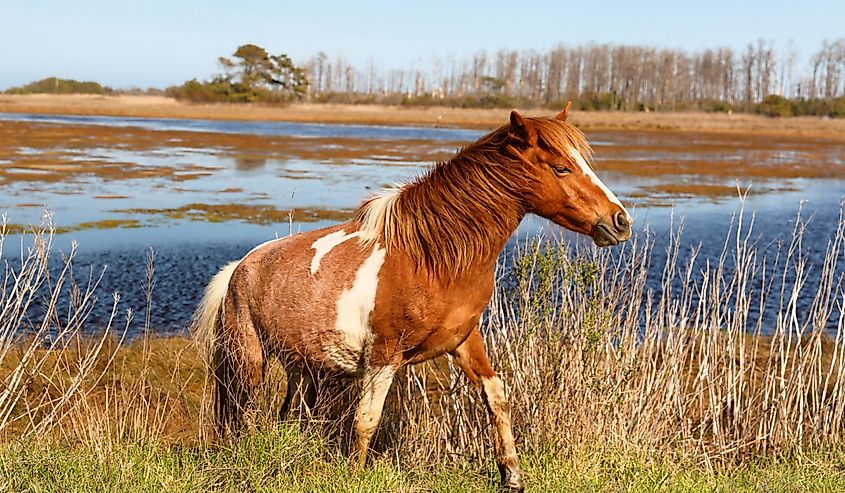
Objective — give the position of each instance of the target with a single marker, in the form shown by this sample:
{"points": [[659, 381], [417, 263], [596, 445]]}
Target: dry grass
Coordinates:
{"points": [[593, 358], [163, 107], [42, 383]]}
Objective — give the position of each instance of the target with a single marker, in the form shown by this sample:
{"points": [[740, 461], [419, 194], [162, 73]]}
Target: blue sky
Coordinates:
{"points": [[160, 42]]}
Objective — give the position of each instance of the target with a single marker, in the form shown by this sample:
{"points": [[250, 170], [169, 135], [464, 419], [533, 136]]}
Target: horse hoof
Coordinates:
{"points": [[512, 481]]}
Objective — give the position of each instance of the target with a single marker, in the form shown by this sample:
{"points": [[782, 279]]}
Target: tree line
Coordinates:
{"points": [[592, 76], [595, 76], [54, 85]]}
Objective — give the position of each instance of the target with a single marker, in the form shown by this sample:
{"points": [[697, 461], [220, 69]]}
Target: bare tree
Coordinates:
{"points": [[627, 77]]}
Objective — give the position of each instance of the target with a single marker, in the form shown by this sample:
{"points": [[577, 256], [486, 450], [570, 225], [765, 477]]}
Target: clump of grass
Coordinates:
{"points": [[253, 214], [616, 381]]}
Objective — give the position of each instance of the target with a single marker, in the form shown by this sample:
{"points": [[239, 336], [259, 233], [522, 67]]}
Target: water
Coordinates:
{"points": [[151, 171], [302, 130]]}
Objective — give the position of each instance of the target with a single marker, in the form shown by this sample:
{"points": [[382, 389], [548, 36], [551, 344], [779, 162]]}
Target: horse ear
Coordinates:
{"points": [[565, 113], [521, 129]]}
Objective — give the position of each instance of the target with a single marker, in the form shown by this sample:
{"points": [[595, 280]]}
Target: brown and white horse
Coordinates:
{"points": [[407, 279]]}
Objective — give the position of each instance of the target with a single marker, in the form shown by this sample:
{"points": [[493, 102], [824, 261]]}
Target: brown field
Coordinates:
{"points": [[163, 107]]}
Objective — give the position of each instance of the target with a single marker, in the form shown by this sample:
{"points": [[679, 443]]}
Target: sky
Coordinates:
{"points": [[164, 42]]}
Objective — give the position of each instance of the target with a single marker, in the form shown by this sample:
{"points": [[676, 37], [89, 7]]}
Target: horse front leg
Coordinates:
{"points": [[472, 359], [374, 389]]}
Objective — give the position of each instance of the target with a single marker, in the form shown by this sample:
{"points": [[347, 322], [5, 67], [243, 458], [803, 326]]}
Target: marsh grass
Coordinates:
{"points": [[593, 354], [617, 380], [283, 458]]}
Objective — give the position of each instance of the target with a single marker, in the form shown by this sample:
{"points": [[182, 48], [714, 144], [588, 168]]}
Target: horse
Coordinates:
{"points": [[406, 280]]}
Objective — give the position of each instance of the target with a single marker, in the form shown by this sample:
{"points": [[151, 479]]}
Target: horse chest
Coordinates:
{"points": [[424, 323]]}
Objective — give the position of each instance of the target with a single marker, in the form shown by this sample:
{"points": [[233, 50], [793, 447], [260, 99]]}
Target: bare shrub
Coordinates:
{"points": [[49, 361]]}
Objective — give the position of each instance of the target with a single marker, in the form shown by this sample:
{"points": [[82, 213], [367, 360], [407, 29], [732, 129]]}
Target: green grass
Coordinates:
{"points": [[284, 459]]}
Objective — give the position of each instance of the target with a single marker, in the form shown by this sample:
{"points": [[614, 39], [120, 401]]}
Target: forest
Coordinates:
{"points": [[600, 77], [605, 77]]}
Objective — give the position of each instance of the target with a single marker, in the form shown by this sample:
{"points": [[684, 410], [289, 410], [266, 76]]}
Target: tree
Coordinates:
{"points": [[253, 61], [282, 73], [257, 69]]}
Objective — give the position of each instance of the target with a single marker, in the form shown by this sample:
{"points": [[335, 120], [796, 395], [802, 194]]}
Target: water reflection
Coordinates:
{"points": [[202, 198], [249, 163]]}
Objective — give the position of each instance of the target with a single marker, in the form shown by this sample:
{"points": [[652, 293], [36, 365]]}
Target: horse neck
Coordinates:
{"points": [[481, 209]]}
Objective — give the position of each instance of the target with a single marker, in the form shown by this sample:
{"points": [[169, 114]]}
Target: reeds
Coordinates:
{"points": [[41, 382], [715, 359], [63, 378], [598, 353]]}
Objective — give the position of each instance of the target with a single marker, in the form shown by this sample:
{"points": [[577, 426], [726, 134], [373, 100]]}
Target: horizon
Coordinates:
{"points": [[160, 44]]}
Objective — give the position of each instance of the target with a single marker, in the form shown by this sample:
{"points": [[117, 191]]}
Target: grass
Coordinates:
{"points": [[250, 213], [614, 386], [149, 437], [285, 458], [17, 229]]}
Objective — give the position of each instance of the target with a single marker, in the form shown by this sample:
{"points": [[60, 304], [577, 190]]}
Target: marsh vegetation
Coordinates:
{"points": [[613, 383]]}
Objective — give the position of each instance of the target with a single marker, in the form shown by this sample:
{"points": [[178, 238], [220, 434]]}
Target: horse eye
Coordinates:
{"points": [[562, 170]]}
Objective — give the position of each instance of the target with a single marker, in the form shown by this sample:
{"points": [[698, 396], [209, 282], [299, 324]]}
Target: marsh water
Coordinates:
{"points": [[201, 193]]}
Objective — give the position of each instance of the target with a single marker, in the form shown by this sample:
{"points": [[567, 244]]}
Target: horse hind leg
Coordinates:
{"points": [[239, 371], [301, 392]]}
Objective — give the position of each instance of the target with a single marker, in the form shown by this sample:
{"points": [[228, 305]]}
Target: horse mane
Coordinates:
{"points": [[444, 219]]}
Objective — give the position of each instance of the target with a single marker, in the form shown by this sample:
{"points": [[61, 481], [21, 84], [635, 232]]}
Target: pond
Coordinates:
{"points": [[201, 193]]}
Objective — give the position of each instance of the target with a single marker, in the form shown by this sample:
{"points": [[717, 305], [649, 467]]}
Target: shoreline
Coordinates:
{"points": [[163, 107]]}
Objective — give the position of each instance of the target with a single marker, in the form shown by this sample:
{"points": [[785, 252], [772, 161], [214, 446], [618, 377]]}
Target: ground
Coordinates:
{"points": [[159, 106]]}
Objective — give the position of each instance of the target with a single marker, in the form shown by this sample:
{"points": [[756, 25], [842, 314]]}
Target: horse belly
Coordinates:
{"points": [[442, 340]]}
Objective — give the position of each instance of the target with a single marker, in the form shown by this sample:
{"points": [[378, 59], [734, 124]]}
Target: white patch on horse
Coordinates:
{"points": [[374, 389], [324, 245], [585, 168], [494, 390], [353, 311]]}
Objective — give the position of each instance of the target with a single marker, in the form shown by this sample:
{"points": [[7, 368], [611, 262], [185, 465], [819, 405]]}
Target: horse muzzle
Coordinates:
{"points": [[613, 232]]}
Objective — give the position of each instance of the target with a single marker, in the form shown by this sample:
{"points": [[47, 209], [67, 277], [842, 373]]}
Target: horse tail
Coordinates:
{"points": [[206, 328]]}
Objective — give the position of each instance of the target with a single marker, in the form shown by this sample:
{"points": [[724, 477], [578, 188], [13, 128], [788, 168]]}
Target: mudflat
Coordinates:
{"points": [[112, 170], [164, 107]]}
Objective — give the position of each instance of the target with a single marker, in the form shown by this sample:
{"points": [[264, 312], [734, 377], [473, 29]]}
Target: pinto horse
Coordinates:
{"points": [[407, 279]]}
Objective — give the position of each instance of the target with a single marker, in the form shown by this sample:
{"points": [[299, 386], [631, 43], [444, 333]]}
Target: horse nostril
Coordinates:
{"points": [[620, 220]]}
